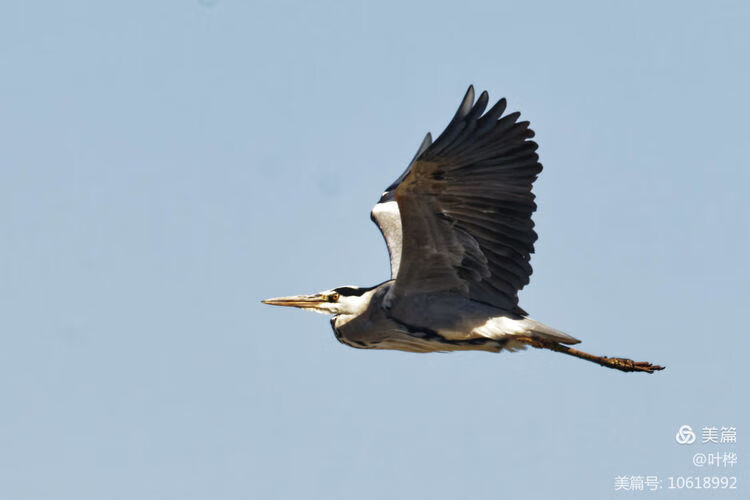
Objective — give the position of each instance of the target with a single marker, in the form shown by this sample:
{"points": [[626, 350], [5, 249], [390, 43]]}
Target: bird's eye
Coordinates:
{"points": [[333, 297]]}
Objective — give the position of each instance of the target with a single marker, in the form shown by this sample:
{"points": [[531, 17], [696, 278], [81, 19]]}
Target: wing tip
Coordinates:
{"points": [[466, 104]]}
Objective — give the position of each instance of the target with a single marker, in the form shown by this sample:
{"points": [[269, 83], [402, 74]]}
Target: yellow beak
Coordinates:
{"points": [[305, 301]]}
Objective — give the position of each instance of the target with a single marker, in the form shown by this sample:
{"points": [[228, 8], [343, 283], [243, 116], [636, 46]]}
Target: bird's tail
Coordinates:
{"points": [[506, 328], [538, 330]]}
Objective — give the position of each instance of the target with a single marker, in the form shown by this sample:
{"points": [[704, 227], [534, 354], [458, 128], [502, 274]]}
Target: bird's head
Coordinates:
{"points": [[341, 300]]}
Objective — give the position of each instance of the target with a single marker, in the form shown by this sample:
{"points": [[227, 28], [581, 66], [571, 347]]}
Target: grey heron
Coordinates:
{"points": [[458, 227]]}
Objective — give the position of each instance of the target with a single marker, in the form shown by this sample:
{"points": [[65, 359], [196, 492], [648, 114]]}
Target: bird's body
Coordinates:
{"points": [[458, 228], [439, 322]]}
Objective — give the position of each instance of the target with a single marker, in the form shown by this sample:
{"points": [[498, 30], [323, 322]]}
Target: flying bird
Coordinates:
{"points": [[458, 228]]}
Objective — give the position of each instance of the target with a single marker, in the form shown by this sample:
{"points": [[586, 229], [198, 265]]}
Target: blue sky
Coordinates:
{"points": [[166, 165]]}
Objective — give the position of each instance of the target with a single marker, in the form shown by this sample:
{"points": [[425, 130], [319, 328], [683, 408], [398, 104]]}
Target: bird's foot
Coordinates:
{"points": [[628, 365]]}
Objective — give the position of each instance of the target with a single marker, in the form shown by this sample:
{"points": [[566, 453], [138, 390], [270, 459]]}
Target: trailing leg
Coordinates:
{"points": [[622, 364]]}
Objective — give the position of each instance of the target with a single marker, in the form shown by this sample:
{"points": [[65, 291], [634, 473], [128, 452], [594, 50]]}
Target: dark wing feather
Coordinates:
{"points": [[465, 207]]}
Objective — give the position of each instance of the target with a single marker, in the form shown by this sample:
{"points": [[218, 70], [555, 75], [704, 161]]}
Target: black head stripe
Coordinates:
{"points": [[355, 291], [348, 291]]}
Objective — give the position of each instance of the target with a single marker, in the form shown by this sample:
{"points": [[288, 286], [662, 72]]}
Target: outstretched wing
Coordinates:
{"points": [[465, 207], [386, 216]]}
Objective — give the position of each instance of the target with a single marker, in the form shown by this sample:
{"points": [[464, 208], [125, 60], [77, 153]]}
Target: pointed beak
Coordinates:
{"points": [[304, 301]]}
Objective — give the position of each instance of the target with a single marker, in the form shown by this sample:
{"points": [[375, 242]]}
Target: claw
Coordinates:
{"points": [[628, 365]]}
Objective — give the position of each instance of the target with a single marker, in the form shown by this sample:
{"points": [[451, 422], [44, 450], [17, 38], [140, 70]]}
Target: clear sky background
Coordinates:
{"points": [[166, 165]]}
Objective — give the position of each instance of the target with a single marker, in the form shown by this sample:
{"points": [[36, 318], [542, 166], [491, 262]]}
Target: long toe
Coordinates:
{"points": [[628, 365]]}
